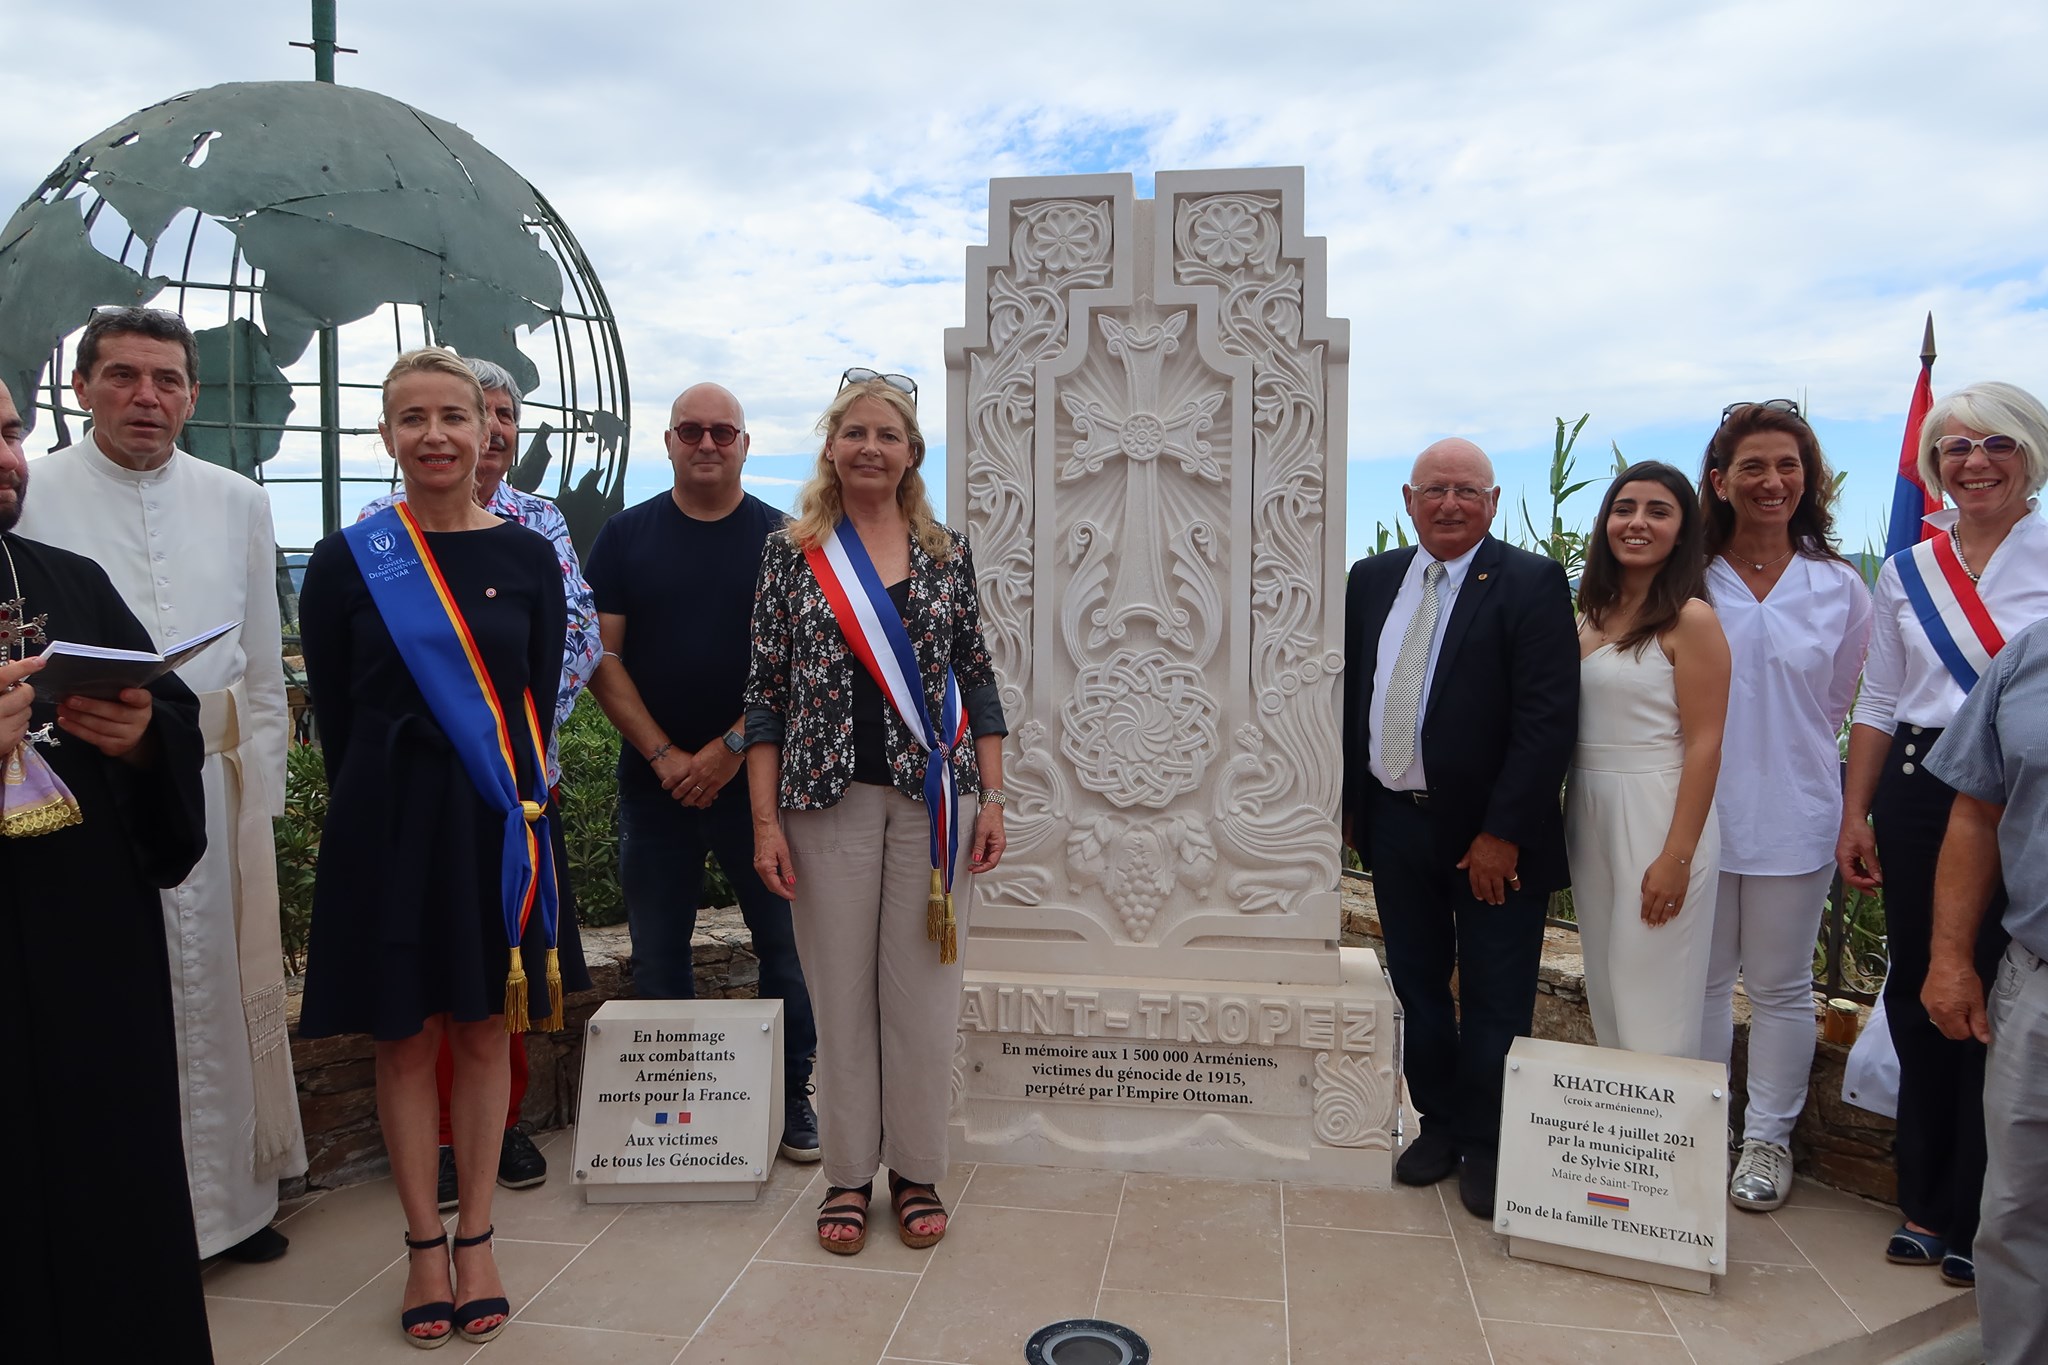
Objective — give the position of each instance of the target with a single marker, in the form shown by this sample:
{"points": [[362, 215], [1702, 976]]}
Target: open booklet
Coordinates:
{"points": [[97, 671]]}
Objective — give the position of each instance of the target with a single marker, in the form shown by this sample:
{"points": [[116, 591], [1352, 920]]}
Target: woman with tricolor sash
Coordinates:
{"points": [[875, 746], [433, 636], [1944, 609]]}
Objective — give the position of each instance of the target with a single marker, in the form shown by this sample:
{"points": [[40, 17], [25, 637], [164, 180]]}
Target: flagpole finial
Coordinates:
{"points": [[1927, 342]]}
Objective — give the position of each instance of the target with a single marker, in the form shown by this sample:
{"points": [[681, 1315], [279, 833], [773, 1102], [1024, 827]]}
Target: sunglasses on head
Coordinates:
{"points": [[1790, 405], [722, 434], [860, 374]]}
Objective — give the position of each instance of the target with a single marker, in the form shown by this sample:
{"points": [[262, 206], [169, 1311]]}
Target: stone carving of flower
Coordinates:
{"points": [[1139, 728], [1226, 233], [1066, 237]]}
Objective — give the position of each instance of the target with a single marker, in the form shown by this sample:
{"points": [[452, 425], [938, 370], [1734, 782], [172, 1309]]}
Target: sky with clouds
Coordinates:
{"points": [[1637, 211]]}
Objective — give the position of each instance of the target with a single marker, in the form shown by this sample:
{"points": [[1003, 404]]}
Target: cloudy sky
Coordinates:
{"points": [[1637, 211]]}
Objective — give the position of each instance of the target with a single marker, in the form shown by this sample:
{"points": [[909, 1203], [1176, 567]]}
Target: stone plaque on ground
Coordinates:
{"points": [[1147, 407], [681, 1099], [1201, 1078], [1615, 1162]]}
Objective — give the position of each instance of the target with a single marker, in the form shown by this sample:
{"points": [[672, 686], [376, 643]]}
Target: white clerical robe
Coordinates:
{"points": [[189, 545]]}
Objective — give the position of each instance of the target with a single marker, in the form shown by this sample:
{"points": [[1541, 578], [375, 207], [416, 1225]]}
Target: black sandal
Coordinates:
{"points": [[427, 1314], [913, 1200], [845, 1218], [478, 1309]]}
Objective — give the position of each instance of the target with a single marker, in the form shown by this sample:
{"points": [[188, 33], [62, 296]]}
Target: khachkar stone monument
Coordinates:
{"points": [[1147, 402]]}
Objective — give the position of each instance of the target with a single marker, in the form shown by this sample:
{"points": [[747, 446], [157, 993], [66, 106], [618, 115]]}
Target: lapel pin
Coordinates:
{"points": [[1482, 578], [490, 592]]}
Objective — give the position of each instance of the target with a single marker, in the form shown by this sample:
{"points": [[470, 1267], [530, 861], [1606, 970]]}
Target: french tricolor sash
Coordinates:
{"points": [[1958, 625], [432, 637], [875, 634]]}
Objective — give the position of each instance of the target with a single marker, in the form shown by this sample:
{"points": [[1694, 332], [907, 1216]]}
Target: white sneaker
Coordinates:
{"points": [[1763, 1177]]}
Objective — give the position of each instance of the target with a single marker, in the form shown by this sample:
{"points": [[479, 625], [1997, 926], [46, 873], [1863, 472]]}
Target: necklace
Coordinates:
{"points": [[1759, 568], [17, 629], [1955, 541]]}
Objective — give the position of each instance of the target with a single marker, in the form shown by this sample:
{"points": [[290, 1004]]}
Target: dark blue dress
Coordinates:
{"points": [[407, 914]]}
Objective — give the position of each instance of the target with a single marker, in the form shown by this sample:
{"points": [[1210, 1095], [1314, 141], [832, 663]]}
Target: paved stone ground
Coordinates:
{"points": [[1229, 1272]]}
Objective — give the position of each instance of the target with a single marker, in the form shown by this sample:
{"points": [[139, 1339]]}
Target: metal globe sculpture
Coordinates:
{"points": [[308, 232]]}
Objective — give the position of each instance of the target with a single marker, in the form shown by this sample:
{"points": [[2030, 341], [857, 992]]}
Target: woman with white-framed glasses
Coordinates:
{"points": [[1797, 617], [1944, 608]]}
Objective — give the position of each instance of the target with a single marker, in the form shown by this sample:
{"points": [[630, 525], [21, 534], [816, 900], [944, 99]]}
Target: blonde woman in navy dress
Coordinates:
{"points": [[1985, 450], [1797, 618]]}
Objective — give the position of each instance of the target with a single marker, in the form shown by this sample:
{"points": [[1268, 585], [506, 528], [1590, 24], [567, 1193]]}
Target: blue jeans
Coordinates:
{"points": [[662, 844]]}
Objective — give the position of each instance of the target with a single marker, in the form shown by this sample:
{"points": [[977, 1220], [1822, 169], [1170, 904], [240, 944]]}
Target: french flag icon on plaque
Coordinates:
{"points": [[663, 1117]]}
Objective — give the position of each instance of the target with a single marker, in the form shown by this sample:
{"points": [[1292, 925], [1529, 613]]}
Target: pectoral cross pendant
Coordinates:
{"points": [[18, 629]]}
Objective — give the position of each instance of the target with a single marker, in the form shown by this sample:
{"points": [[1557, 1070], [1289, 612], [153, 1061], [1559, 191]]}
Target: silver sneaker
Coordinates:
{"points": [[1763, 1177]]}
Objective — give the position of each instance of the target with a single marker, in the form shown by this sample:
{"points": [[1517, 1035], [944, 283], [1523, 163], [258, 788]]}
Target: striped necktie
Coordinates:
{"points": [[1404, 689]]}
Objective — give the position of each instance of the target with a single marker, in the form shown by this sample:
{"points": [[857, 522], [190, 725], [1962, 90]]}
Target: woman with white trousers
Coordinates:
{"points": [[1797, 619]]}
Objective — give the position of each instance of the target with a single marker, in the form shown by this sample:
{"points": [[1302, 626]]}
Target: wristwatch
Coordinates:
{"points": [[735, 741], [994, 796]]}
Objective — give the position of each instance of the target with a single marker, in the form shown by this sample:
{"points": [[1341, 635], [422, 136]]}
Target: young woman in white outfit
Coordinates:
{"points": [[1639, 801], [1797, 618]]}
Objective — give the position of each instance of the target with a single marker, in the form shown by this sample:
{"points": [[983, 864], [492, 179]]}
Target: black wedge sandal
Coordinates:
{"points": [[477, 1309], [912, 1201], [845, 1216], [427, 1314]]}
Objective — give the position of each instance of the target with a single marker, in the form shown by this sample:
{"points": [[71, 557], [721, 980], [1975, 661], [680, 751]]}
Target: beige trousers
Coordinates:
{"points": [[887, 1011]]}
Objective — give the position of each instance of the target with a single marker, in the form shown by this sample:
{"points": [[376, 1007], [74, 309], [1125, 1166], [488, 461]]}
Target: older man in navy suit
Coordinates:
{"points": [[1461, 708]]}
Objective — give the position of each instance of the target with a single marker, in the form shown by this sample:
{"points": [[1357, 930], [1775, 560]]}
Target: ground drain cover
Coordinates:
{"points": [[1086, 1341]]}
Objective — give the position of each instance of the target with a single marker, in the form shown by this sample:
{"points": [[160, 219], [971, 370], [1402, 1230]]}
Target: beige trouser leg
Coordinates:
{"points": [[887, 1011]]}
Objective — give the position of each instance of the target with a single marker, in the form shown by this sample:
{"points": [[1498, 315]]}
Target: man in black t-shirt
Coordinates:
{"points": [[674, 582]]}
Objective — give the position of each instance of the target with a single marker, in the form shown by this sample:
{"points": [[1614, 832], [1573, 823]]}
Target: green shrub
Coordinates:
{"points": [[297, 834], [589, 751]]}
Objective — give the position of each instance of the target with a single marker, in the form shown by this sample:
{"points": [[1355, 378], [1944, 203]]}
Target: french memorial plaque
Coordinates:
{"points": [[1146, 402], [681, 1100], [1615, 1162], [1253, 1081]]}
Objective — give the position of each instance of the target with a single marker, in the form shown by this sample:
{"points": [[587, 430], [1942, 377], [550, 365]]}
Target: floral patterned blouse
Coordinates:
{"points": [[800, 684]]}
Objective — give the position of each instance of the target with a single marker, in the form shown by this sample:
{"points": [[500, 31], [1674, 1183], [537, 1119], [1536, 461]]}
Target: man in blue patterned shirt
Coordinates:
{"points": [[520, 1163]]}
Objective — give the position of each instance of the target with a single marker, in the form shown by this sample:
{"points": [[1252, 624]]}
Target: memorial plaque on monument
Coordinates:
{"points": [[1615, 1162], [1146, 405], [681, 1100]]}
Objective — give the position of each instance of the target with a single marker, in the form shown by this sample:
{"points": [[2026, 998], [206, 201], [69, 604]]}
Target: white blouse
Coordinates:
{"points": [[1794, 660], [1904, 683]]}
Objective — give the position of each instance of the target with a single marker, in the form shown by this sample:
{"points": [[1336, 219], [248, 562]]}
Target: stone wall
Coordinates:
{"points": [[1834, 1142], [337, 1076]]}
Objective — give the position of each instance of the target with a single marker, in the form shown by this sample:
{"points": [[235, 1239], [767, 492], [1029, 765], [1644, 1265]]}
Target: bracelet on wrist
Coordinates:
{"points": [[655, 757], [994, 796], [1682, 862]]}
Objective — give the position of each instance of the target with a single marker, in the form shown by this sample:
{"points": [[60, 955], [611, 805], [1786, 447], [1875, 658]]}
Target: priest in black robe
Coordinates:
{"points": [[107, 1265]]}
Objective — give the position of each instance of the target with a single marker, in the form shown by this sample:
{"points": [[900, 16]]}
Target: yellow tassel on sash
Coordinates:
{"points": [[935, 908], [554, 1018], [515, 996], [949, 941]]}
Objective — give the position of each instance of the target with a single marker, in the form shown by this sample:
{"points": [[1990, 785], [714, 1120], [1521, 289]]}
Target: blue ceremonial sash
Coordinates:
{"points": [[874, 633], [419, 610], [1949, 609]]}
